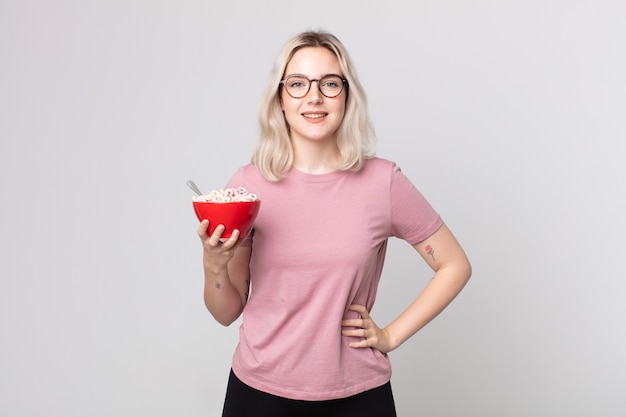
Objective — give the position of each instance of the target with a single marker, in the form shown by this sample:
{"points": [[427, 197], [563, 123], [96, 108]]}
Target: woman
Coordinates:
{"points": [[305, 279]]}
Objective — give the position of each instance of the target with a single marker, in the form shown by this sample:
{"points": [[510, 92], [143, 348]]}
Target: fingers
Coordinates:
{"points": [[357, 322], [371, 336], [360, 309], [363, 327], [215, 238], [215, 242], [233, 241], [360, 332], [202, 229], [217, 250]]}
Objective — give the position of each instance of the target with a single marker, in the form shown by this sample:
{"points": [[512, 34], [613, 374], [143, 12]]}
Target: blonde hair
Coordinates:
{"points": [[355, 136]]}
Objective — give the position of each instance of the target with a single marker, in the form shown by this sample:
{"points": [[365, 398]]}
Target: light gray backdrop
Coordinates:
{"points": [[509, 116]]}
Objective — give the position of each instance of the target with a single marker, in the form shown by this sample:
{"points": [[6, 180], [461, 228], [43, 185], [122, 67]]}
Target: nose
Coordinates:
{"points": [[314, 95]]}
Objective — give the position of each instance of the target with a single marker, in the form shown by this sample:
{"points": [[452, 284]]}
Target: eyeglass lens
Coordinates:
{"points": [[298, 86]]}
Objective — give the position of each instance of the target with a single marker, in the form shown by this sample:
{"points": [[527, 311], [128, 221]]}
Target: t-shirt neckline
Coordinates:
{"points": [[296, 174]]}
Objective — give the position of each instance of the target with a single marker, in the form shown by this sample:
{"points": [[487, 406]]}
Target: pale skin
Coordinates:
{"points": [[313, 121], [226, 273]]}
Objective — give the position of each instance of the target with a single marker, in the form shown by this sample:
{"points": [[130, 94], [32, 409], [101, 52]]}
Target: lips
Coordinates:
{"points": [[314, 115]]}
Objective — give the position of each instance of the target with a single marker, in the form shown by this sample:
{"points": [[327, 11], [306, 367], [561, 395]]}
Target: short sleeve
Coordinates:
{"points": [[412, 217]]}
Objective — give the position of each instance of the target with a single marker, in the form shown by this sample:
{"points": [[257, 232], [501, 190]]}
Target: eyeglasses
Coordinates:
{"points": [[298, 86]]}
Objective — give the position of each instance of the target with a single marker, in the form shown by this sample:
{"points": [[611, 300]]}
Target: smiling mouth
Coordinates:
{"points": [[314, 115]]}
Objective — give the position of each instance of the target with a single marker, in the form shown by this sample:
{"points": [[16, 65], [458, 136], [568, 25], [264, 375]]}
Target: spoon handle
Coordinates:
{"points": [[194, 187]]}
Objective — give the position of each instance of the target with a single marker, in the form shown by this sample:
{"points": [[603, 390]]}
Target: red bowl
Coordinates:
{"points": [[233, 215]]}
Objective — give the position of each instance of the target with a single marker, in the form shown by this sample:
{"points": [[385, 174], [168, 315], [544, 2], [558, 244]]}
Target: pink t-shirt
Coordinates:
{"points": [[319, 245]]}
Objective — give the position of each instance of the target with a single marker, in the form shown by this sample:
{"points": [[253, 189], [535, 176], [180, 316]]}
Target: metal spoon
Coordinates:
{"points": [[194, 187]]}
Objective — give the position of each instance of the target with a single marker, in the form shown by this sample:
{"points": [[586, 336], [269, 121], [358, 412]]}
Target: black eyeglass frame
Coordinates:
{"points": [[343, 80]]}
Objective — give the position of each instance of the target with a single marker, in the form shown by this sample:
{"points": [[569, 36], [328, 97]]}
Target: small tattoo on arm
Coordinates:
{"points": [[429, 250], [218, 285]]}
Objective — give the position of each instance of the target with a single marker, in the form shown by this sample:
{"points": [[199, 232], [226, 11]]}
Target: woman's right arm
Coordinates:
{"points": [[226, 274]]}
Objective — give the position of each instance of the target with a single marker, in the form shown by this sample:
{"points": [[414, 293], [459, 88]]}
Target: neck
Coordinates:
{"points": [[315, 158]]}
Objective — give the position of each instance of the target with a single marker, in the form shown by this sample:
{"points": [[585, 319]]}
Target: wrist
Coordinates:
{"points": [[215, 272], [392, 338]]}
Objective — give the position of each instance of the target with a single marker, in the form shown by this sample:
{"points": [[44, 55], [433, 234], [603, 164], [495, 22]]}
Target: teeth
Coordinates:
{"points": [[314, 116]]}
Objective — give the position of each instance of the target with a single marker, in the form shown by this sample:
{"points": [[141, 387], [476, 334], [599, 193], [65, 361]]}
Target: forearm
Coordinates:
{"points": [[221, 297], [226, 273], [438, 293]]}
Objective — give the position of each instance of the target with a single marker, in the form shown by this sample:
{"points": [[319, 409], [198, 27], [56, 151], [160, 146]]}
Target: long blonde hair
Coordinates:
{"points": [[355, 136]]}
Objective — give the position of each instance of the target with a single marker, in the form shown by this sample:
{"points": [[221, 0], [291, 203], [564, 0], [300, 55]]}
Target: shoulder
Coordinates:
{"points": [[380, 167], [249, 169], [377, 174], [389, 173], [249, 177], [247, 172], [244, 175]]}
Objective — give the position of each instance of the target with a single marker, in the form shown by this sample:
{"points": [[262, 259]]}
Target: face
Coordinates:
{"points": [[313, 117]]}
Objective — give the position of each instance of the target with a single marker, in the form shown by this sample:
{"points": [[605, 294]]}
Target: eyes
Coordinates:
{"points": [[331, 84], [298, 86], [296, 83], [299, 83]]}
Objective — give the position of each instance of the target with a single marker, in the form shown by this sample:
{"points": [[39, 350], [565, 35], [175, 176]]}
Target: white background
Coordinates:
{"points": [[509, 116]]}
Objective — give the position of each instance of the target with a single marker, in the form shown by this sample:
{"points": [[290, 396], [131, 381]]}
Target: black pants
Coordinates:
{"points": [[245, 401]]}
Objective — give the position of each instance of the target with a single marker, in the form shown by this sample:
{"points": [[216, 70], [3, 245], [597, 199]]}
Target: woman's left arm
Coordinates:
{"points": [[452, 271]]}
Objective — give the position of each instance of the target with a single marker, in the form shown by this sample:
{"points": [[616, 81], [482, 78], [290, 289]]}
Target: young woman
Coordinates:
{"points": [[306, 277]]}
